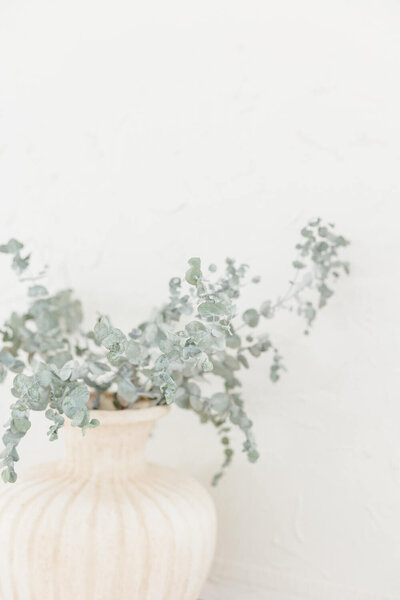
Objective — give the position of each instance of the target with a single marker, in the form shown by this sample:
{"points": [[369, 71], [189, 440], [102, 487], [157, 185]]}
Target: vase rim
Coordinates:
{"points": [[130, 415]]}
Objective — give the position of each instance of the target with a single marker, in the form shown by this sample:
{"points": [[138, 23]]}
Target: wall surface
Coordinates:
{"points": [[134, 135]]}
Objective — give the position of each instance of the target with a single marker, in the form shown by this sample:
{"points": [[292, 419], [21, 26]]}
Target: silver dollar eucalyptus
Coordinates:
{"points": [[196, 338]]}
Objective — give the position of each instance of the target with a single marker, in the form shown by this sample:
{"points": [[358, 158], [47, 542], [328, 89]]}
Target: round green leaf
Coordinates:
{"points": [[251, 317]]}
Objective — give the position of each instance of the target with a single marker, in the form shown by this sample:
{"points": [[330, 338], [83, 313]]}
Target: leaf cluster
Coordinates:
{"points": [[196, 343]]}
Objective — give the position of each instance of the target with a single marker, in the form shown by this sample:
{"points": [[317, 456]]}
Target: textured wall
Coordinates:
{"points": [[134, 135]]}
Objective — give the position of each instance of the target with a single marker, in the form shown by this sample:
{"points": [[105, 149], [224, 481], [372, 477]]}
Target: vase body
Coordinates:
{"points": [[104, 524]]}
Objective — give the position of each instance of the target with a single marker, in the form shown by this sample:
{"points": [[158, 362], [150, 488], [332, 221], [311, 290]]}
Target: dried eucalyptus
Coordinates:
{"points": [[195, 344]]}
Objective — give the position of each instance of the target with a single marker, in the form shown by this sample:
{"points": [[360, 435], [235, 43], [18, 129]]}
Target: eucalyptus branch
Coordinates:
{"points": [[58, 368]]}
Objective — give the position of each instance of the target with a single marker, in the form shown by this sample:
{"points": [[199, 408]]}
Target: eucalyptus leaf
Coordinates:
{"points": [[251, 317], [12, 246], [193, 274], [211, 310], [37, 290], [21, 424], [102, 329], [220, 402]]}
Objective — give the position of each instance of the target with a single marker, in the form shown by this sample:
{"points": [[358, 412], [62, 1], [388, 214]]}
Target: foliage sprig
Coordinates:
{"points": [[195, 341]]}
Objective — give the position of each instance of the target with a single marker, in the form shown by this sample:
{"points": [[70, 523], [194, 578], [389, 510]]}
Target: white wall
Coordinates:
{"points": [[136, 134]]}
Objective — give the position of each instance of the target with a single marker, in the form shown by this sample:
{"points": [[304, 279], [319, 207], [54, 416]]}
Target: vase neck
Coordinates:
{"points": [[116, 448]]}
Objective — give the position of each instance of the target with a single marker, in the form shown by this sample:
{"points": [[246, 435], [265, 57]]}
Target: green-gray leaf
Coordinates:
{"points": [[37, 290], [251, 317], [220, 402], [193, 274]]}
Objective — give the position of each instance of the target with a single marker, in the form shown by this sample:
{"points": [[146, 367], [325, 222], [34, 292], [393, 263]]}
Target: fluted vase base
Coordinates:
{"points": [[105, 524]]}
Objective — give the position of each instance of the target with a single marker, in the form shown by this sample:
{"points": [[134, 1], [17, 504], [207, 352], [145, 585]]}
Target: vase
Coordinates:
{"points": [[104, 524]]}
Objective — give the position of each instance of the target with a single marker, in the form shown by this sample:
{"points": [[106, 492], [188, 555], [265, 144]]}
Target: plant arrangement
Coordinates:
{"points": [[197, 337]]}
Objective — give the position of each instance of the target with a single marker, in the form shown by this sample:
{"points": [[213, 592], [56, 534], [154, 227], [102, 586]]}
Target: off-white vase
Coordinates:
{"points": [[104, 524]]}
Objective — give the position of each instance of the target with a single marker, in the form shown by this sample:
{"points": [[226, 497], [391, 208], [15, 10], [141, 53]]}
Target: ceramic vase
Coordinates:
{"points": [[104, 524]]}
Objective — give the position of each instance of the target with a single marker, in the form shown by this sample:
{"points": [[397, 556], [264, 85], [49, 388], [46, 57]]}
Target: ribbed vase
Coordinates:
{"points": [[104, 524]]}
